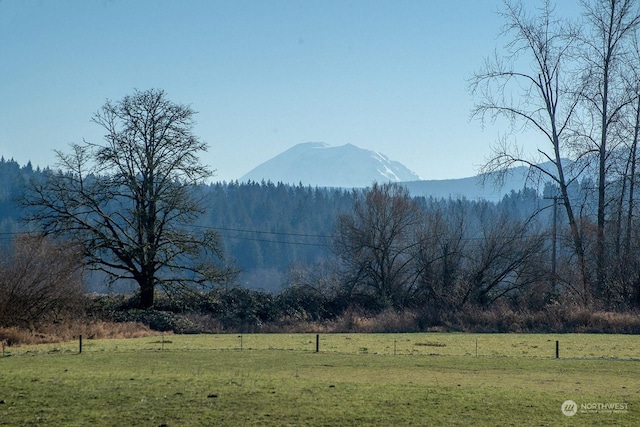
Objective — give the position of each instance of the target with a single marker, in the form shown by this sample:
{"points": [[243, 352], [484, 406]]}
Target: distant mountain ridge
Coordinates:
{"points": [[482, 186], [348, 166], [319, 164]]}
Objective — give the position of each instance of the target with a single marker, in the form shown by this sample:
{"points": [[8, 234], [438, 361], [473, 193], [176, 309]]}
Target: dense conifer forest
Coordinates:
{"points": [[308, 254], [267, 228]]}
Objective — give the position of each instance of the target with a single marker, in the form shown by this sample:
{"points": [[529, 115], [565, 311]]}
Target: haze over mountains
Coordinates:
{"points": [[348, 166]]}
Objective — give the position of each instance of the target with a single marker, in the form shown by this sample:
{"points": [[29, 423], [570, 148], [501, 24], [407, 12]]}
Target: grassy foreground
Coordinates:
{"points": [[433, 379]]}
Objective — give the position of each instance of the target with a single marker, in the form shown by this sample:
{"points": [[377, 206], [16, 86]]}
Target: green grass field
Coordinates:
{"points": [[355, 379]]}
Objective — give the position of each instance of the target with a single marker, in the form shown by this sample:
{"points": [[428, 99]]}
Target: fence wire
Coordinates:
{"points": [[569, 346]]}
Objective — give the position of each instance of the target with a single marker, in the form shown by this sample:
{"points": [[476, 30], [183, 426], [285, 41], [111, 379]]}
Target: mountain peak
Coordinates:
{"points": [[309, 146], [322, 165]]}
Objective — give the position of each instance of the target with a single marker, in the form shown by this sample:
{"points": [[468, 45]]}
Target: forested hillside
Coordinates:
{"points": [[266, 228], [314, 254], [278, 235], [13, 180]]}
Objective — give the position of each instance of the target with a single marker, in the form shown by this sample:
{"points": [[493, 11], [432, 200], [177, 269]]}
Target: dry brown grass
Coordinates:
{"points": [[552, 320], [555, 319], [68, 331], [387, 321], [351, 321]]}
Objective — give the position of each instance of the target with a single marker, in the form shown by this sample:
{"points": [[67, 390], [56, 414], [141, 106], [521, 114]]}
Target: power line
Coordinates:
{"points": [[268, 233], [274, 233], [277, 241], [7, 236]]}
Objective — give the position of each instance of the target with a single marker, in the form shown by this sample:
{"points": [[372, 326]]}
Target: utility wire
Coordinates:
{"points": [[274, 233]]}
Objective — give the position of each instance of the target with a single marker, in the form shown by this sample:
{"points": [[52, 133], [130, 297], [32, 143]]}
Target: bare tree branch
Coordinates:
{"points": [[130, 200]]}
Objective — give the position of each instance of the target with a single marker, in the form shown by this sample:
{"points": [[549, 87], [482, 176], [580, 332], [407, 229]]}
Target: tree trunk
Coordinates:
{"points": [[147, 291]]}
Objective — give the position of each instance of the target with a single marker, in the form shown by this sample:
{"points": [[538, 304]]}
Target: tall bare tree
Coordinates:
{"points": [[533, 85], [130, 199], [606, 45]]}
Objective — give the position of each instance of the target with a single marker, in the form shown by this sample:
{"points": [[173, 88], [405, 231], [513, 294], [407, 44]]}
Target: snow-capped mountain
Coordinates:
{"points": [[322, 165]]}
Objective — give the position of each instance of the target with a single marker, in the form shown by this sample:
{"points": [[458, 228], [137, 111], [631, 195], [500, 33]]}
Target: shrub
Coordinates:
{"points": [[70, 330], [39, 282]]}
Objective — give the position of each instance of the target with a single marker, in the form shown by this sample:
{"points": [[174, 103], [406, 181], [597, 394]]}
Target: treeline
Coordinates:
{"points": [[266, 228], [314, 255], [13, 182]]}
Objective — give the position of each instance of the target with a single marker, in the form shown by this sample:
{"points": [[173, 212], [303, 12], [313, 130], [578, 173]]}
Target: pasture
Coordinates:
{"points": [[354, 379]]}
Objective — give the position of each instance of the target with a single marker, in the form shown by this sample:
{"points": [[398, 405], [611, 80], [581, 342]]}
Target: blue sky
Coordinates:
{"points": [[264, 75]]}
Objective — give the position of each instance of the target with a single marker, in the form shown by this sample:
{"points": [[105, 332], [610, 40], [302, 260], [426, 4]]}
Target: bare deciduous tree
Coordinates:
{"points": [[131, 199], [627, 256], [439, 257], [506, 257], [376, 242], [606, 46], [534, 86], [39, 282]]}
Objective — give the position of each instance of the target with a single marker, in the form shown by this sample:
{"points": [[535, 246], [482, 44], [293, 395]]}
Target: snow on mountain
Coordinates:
{"points": [[322, 165], [319, 164]]}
